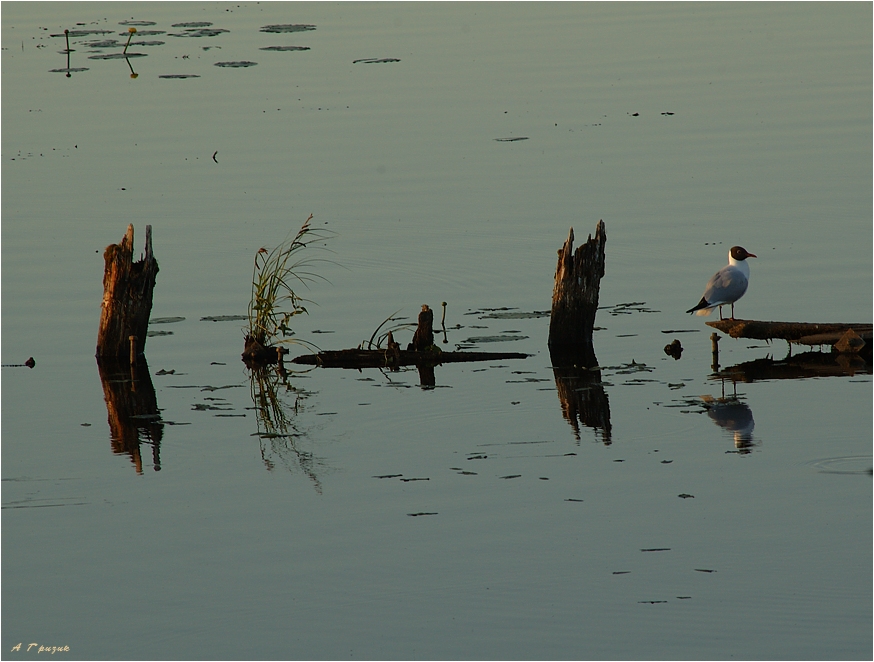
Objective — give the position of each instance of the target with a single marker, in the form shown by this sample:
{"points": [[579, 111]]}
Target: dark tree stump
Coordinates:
{"points": [[571, 348], [127, 298], [423, 338], [575, 297]]}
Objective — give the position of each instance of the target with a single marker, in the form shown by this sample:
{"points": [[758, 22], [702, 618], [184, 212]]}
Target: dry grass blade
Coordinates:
{"points": [[384, 335], [274, 302]]}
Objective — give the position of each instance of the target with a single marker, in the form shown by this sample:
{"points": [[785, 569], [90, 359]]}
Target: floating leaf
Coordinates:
{"points": [[277, 29], [236, 65], [284, 48]]}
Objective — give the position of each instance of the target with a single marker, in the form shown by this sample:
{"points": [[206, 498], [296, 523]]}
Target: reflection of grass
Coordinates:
{"points": [[274, 301], [277, 432]]}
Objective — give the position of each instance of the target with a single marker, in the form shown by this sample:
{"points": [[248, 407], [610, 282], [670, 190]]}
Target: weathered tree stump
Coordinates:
{"points": [[571, 348], [575, 297], [127, 298], [423, 338]]}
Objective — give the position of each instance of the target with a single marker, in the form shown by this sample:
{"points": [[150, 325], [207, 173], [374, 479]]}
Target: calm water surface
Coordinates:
{"points": [[451, 171]]}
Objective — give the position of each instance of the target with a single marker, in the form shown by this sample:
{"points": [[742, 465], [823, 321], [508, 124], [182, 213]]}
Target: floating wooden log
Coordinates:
{"points": [[384, 358], [575, 297], [852, 338], [422, 352], [127, 298]]}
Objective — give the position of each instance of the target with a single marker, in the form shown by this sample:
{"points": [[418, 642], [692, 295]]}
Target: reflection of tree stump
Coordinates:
{"points": [[582, 396], [127, 297], [575, 297], [132, 409]]}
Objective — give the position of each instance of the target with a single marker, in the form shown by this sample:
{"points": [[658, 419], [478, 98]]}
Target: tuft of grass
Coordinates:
{"points": [[275, 275], [382, 337]]}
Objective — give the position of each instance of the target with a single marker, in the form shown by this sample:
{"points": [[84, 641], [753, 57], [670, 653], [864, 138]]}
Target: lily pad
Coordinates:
{"points": [[223, 318], [236, 65], [199, 32], [115, 56], [285, 48], [374, 60], [482, 339], [105, 43], [82, 33], [166, 320], [277, 29], [517, 316]]}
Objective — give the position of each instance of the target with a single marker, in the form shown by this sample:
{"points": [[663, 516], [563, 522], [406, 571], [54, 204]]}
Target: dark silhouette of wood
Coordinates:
{"points": [[575, 297], [799, 366], [132, 409], [423, 338], [257, 355], [127, 298], [386, 358], [421, 352], [582, 396], [571, 347], [844, 337]]}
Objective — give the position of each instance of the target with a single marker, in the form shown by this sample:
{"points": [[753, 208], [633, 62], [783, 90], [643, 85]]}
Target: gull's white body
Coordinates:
{"points": [[727, 285]]}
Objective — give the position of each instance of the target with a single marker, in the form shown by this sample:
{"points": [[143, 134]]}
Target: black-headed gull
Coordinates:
{"points": [[727, 285]]}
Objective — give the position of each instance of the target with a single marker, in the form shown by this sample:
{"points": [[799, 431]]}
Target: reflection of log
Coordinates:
{"points": [[575, 296], [127, 297], [381, 358], [582, 395], [132, 409], [806, 365], [847, 337]]}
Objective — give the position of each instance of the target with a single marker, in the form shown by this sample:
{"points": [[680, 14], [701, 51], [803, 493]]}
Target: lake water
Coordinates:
{"points": [[450, 147]]}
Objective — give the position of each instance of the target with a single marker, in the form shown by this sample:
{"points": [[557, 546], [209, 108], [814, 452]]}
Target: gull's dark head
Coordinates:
{"points": [[740, 253]]}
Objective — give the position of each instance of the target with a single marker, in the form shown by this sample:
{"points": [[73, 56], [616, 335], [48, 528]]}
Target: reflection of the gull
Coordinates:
{"points": [[582, 395], [808, 364], [277, 432], [132, 408], [732, 415]]}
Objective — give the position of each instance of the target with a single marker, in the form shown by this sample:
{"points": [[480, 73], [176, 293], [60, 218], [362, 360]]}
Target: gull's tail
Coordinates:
{"points": [[702, 308]]}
